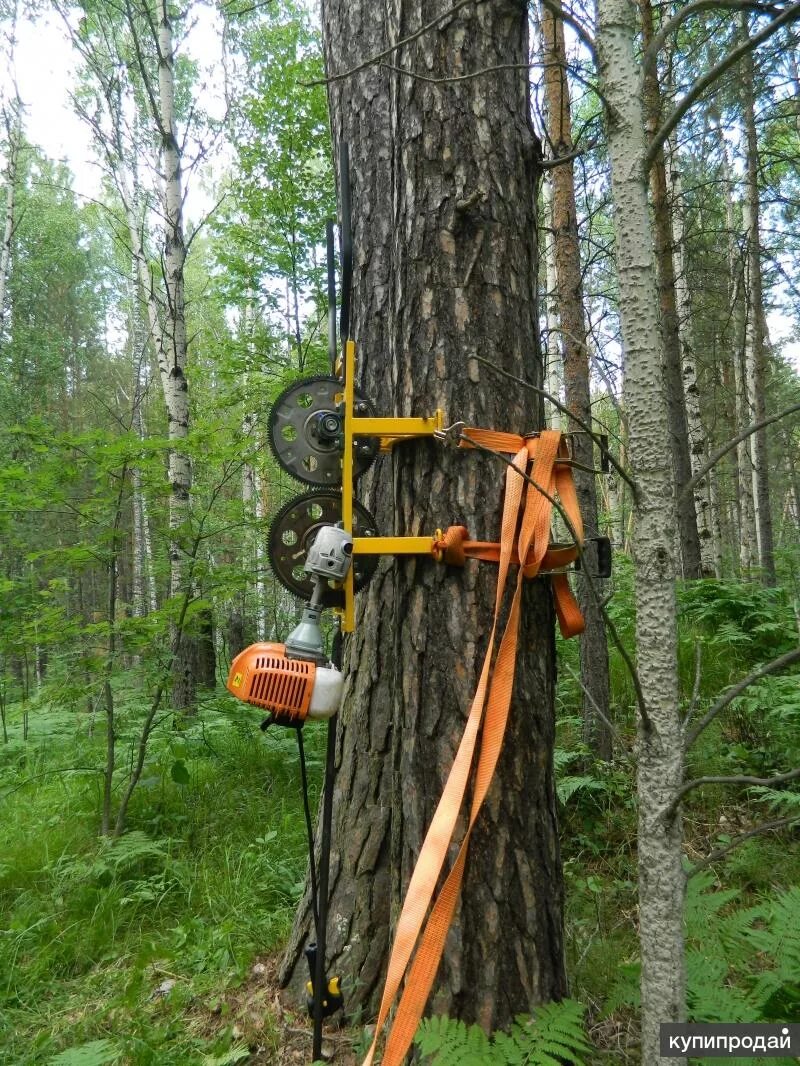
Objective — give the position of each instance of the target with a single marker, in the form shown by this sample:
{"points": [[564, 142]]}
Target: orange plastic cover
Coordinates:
{"points": [[262, 675]]}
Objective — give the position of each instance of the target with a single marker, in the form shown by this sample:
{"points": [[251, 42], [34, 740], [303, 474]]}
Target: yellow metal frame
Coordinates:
{"points": [[390, 431]]}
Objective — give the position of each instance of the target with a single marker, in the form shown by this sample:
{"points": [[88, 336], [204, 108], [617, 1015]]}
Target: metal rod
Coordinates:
{"points": [[325, 862], [347, 238]]}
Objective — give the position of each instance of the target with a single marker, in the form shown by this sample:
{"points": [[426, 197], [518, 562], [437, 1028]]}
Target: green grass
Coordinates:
{"points": [[210, 870], [206, 877]]}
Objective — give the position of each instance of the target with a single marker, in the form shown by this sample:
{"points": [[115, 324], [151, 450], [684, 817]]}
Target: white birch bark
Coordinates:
{"points": [[744, 465], [138, 343], [555, 367], [144, 583], [13, 123], [710, 556], [756, 354], [253, 487], [659, 743], [176, 391]]}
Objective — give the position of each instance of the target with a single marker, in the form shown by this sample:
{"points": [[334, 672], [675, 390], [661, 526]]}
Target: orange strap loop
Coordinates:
{"points": [[527, 538]]}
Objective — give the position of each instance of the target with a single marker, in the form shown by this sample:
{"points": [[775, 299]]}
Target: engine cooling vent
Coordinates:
{"points": [[263, 676]]}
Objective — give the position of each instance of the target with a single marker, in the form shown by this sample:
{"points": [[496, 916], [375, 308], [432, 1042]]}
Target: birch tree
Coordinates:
{"points": [[12, 119], [11, 115], [745, 508], [704, 494], [130, 57], [755, 349]]}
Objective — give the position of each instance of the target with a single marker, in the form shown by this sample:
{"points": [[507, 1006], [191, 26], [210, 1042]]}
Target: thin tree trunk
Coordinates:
{"points": [[710, 556], [13, 122], [423, 302], [594, 649], [673, 377], [176, 391], [554, 376], [756, 355], [659, 742], [111, 655], [138, 338], [3, 701], [254, 501], [744, 466], [12, 118]]}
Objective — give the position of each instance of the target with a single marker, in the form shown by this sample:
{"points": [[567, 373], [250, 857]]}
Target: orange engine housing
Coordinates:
{"points": [[262, 675]]}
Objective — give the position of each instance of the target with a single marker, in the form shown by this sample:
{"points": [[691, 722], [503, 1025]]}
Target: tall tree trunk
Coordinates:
{"points": [[756, 354], [659, 741], [13, 123], [142, 593], [665, 267], [710, 554], [745, 508], [554, 374], [444, 193], [254, 493], [594, 649], [176, 390]]}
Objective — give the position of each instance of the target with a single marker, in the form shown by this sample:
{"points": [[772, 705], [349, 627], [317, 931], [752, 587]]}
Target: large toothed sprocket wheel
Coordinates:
{"points": [[292, 533], [305, 432]]}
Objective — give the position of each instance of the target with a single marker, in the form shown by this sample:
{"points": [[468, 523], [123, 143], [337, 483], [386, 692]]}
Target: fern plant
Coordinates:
{"points": [[95, 1053], [742, 965], [552, 1036]]}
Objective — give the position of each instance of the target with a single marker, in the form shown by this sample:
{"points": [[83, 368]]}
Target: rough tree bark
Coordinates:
{"points": [[444, 191], [659, 740], [569, 274], [755, 351], [665, 267]]}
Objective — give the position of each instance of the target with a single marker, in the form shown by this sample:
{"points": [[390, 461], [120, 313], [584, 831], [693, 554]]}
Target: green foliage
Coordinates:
{"points": [[95, 1053], [742, 963], [754, 621], [228, 1058], [208, 876], [553, 1035]]}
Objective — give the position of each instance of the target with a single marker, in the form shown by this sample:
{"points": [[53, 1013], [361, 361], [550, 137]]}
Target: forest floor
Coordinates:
{"points": [[161, 949]]}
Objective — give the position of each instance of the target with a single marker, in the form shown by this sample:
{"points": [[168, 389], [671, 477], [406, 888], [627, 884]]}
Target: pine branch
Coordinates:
{"points": [[650, 57], [788, 15], [731, 444]]}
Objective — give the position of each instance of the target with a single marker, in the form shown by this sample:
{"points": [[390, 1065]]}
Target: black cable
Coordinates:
{"points": [[325, 861], [309, 831]]}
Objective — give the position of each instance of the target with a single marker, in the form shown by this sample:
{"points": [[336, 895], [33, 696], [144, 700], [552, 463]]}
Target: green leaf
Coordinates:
{"points": [[95, 1053], [180, 773]]}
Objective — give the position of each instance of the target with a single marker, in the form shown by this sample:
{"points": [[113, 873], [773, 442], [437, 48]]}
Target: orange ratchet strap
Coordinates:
{"points": [[538, 457]]}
